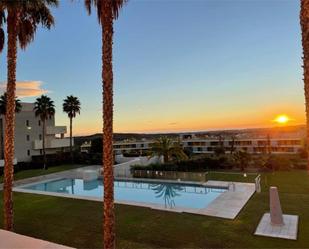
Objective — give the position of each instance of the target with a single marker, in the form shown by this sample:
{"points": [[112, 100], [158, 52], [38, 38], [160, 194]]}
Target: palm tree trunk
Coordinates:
{"points": [[1, 139], [71, 151], [10, 121], [304, 22], [165, 157], [43, 145], [108, 174]]}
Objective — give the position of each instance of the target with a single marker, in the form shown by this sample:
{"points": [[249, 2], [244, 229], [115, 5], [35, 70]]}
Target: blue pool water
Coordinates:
{"points": [[169, 195]]}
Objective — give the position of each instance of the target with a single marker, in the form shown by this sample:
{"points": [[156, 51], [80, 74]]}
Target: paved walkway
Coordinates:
{"points": [[230, 203], [9, 240]]}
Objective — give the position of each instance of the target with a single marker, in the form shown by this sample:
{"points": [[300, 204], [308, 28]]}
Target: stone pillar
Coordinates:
{"points": [[276, 217]]}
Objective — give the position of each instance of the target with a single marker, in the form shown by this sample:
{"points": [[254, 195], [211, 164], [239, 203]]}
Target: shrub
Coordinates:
{"points": [[200, 164]]}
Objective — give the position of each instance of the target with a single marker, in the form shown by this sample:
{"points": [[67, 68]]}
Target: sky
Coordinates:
{"points": [[179, 65]]}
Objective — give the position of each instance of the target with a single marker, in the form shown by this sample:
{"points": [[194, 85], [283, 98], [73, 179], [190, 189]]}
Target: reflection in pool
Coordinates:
{"points": [[166, 194]]}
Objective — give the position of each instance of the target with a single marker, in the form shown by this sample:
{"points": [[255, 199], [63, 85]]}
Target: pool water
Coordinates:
{"points": [[169, 195]]}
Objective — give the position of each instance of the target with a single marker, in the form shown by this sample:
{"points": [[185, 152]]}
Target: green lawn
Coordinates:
{"points": [[37, 172], [77, 223]]}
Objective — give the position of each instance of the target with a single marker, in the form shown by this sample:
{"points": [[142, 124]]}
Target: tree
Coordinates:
{"points": [[3, 104], [241, 159], [304, 23], [71, 106], [107, 11], [2, 33], [45, 109], [18, 108], [96, 145], [232, 143], [220, 150], [167, 148], [22, 18]]}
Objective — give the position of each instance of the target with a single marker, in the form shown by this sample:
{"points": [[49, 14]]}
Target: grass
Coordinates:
{"points": [[37, 172], [77, 223]]}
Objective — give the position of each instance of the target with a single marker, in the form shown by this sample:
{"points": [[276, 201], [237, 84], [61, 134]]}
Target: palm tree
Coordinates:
{"points": [[23, 18], [167, 148], [107, 11], [3, 103], [45, 109], [2, 33], [18, 108], [71, 106], [304, 22]]}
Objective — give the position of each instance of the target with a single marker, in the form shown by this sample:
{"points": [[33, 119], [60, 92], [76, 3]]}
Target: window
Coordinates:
{"points": [[28, 138], [28, 152], [40, 136], [41, 152], [27, 123], [39, 122]]}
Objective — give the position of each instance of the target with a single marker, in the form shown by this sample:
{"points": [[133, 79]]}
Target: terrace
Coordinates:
{"points": [[139, 227]]}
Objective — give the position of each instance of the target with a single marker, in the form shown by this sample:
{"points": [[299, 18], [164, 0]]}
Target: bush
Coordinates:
{"points": [[200, 164], [51, 160], [279, 162]]}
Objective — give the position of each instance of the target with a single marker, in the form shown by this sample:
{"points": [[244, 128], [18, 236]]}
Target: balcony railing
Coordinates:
{"points": [[52, 130], [52, 144]]}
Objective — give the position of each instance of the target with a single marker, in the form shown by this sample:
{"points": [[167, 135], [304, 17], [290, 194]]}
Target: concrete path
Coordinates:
{"points": [[230, 203], [9, 240]]}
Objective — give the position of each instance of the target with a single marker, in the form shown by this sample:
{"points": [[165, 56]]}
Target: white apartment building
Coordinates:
{"points": [[200, 145], [29, 135]]}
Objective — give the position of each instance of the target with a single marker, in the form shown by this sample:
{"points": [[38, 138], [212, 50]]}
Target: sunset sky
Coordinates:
{"points": [[179, 65]]}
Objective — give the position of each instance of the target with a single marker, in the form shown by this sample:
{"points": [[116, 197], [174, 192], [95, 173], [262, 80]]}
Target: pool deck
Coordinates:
{"points": [[17, 241], [227, 205]]}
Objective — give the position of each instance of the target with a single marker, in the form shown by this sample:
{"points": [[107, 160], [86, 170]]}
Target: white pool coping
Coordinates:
{"points": [[226, 205]]}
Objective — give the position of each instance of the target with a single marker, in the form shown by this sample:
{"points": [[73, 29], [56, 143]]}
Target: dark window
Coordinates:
{"points": [[39, 122], [28, 152], [40, 136], [28, 137], [27, 123], [41, 152]]}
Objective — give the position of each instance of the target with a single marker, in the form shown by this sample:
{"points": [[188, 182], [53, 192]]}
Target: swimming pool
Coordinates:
{"points": [[168, 195]]}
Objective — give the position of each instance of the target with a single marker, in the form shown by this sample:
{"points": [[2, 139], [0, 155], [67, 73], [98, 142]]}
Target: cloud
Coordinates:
{"points": [[26, 89], [174, 123]]}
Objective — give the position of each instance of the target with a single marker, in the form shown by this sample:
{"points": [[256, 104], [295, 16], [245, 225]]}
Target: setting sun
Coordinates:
{"points": [[282, 119]]}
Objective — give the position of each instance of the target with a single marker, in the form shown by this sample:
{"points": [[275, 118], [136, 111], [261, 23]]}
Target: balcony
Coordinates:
{"points": [[52, 130], [2, 162], [52, 144]]}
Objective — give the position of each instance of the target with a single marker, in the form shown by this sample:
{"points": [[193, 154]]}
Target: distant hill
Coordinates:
{"points": [[289, 131], [123, 136]]}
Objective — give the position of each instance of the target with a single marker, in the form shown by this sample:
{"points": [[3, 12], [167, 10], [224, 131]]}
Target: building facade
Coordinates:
{"points": [[209, 145], [29, 135]]}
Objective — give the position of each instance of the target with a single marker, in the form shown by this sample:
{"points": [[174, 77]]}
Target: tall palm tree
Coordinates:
{"points": [[45, 109], [107, 11], [167, 148], [23, 18], [18, 108], [71, 106], [2, 33], [304, 22]]}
